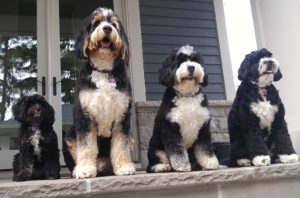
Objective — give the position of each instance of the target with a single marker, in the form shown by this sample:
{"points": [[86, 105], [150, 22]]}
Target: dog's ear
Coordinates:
{"points": [[49, 115], [166, 72], [125, 47], [205, 80], [19, 109], [82, 39], [278, 75], [243, 70]]}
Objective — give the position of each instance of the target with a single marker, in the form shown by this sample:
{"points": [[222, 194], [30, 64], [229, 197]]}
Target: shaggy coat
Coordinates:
{"points": [[99, 141], [39, 155], [257, 128], [181, 139]]}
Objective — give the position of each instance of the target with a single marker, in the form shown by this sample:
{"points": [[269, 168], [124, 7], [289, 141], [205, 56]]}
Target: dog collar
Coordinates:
{"points": [[104, 71]]}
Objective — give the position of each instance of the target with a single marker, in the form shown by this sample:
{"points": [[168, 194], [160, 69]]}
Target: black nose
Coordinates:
{"points": [[191, 69], [270, 65], [107, 29]]}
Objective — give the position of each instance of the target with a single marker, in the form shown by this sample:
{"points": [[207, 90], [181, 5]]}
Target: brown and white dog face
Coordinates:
{"points": [[102, 39], [184, 71]]}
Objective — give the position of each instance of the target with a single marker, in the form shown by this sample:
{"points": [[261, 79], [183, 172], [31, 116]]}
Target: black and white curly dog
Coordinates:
{"points": [[39, 155], [257, 128], [181, 138], [99, 142]]}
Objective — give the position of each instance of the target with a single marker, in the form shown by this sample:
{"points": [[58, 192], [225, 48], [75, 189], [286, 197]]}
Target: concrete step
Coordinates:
{"points": [[275, 181]]}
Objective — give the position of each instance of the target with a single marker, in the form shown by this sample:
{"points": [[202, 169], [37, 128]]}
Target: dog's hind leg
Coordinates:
{"points": [[203, 150]]}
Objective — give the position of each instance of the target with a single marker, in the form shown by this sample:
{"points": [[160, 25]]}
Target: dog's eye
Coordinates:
{"points": [[96, 24], [115, 25]]}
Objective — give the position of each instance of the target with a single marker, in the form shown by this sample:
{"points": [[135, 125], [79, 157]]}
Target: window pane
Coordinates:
{"points": [[18, 58]]}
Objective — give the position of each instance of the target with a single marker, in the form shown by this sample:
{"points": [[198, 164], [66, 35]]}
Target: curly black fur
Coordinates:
{"points": [[167, 135], [39, 155], [247, 138]]}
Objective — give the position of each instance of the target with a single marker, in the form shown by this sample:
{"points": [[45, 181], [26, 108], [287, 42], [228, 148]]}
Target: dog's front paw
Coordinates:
{"points": [[287, 159], [183, 167], [180, 163], [158, 168], [24, 175], [52, 175], [84, 171], [126, 169], [210, 163], [261, 160], [244, 162]]}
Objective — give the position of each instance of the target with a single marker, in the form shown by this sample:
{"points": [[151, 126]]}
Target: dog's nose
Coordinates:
{"points": [[270, 65], [191, 69], [107, 29]]}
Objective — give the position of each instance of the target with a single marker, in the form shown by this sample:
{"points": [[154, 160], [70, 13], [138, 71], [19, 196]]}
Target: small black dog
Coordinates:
{"points": [[181, 138], [39, 155], [257, 128]]}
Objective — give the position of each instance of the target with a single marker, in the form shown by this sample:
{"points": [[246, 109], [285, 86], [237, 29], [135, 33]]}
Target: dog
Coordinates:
{"points": [[257, 128], [181, 139], [99, 142], [39, 155]]}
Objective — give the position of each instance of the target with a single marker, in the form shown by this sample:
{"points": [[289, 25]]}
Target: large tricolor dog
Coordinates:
{"points": [[99, 142], [181, 138], [257, 128]]}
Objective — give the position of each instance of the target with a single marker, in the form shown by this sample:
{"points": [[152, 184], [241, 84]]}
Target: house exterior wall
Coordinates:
{"points": [[277, 28], [168, 24]]}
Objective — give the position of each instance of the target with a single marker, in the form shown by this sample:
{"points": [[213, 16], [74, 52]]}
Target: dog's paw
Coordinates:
{"points": [[244, 162], [210, 163], [180, 163], [287, 159], [261, 160], [158, 168], [84, 171], [23, 176], [52, 175], [126, 169]]}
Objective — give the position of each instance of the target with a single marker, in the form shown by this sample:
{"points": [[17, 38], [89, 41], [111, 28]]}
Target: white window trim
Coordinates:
{"points": [[224, 50]]}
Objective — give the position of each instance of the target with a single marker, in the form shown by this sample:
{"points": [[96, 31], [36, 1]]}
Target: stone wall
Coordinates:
{"points": [[147, 110]]}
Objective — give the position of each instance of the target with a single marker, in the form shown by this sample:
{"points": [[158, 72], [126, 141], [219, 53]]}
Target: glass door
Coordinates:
{"points": [[18, 68]]}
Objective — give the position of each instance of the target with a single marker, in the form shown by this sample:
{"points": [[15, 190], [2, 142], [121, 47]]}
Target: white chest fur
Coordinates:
{"points": [[190, 116], [265, 112], [105, 104], [35, 141]]}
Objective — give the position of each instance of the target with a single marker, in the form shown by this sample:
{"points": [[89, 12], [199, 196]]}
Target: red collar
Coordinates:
{"points": [[263, 92]]}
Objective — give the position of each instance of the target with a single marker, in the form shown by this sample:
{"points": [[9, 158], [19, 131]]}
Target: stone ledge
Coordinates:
{"points": [[144, 182]]}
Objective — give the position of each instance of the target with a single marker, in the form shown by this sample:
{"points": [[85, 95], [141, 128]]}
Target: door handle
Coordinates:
{"points": [[54, 86], [43, 82]]}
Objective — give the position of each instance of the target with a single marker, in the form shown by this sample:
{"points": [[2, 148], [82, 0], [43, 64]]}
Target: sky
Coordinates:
{"points": [[240, 31]]}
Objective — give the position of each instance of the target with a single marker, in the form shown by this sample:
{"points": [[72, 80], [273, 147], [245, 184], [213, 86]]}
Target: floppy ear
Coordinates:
{"points": [[49, 115], [278, 75], [166, 72], [205, 80], [125, 47], [243, 70], [81, 40], [19, 109]]}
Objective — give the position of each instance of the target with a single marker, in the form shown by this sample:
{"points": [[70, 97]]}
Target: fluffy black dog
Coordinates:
{"points": [[257, 128], [181, 138], [100, 141], [39, 155]]}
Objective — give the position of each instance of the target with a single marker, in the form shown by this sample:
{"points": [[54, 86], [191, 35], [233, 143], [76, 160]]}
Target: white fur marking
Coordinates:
{"points": [[163, 157], [180, 163], [207, 162], [265, 112], [106, 104], [261, 160], [266, 79], [286, 159], [35, 141], [161, 168], [182, 71], [190, 116], [244, 162], [186, 49], [84, 171]]}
